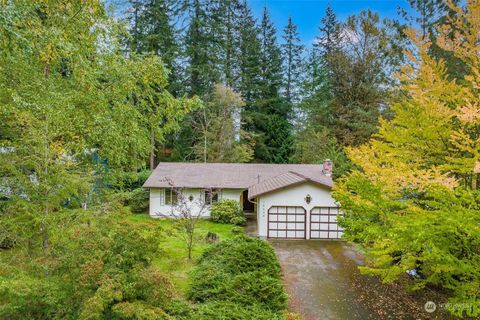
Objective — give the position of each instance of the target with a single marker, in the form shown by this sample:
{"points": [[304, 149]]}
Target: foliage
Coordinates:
{"points": [[415, 202], [66, 100], [242, 270], [97, 268], [360, 80], [227, 211], [312, 146], [292, 52], [217, 310], [139, 200], [222, 139]]}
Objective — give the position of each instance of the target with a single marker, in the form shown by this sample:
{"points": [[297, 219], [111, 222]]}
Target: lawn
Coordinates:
{"points": [[173, 257]]}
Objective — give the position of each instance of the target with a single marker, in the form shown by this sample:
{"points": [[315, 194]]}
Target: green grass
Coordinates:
{"points": [[173, 257]]}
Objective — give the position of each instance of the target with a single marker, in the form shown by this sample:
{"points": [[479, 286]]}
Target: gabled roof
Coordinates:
{"points": [[227, 175], [285, 180]]}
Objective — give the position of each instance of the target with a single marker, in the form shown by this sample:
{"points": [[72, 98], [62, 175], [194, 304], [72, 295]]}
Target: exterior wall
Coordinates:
{"points": [[293, 196], [158, 208]]}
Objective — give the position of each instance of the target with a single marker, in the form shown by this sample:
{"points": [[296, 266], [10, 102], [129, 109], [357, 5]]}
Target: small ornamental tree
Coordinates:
{"points": [[187, 212]]}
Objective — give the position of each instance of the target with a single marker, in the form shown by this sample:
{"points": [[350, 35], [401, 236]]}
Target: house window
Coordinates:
{"points": [[211, 196], [170, 197]]}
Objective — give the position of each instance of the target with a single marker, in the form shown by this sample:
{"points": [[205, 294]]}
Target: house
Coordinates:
{"points": [[289, 200]]}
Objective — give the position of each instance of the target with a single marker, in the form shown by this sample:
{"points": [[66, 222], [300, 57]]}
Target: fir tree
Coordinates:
{"points": [[270, 65], [292, 61], [249, 55], [330, 38], [269, 116], [200, 51], [153, 32]]}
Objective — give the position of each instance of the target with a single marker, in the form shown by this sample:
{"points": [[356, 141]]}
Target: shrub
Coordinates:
{"points": [[228, 211], [243, 254], [139, 200], [243, 271], [221, 310]]}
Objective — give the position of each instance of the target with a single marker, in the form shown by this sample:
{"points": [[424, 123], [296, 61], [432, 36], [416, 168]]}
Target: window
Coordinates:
{"points": [[211, 196], [170, 197]]}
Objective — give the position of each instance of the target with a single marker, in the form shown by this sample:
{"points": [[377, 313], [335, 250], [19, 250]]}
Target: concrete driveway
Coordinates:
{"points": [[323, 282]]}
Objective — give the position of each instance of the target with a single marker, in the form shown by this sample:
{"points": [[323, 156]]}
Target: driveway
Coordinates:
{"points": [[323, 282]]}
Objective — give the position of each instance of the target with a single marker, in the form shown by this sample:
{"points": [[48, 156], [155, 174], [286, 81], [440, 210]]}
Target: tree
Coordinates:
{"points": [[220, 127], [360, 78], [414, 203], [201, 52], [65, 99], [270, 67], [159, 108], [249, 56], [331, 37], [267, 118], [152, 32], [186, 214], [428, 14], [292, 57]]}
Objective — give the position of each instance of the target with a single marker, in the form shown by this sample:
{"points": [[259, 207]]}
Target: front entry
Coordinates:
{"points": [[286, 222], [248, 206]]}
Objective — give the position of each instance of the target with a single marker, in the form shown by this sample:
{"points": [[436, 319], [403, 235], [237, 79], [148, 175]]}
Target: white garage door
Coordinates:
{"points": [[286, 222], [323, 223]]}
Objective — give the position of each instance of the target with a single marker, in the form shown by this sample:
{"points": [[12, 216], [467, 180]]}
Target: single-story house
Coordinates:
{"points": [[288, 200]]}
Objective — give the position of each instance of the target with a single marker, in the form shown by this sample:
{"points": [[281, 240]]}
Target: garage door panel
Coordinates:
{"points": [[323, 223], [289, 222]]}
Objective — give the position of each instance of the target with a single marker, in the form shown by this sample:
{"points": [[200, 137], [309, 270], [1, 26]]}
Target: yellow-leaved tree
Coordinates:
{"points": [[413, 204]]}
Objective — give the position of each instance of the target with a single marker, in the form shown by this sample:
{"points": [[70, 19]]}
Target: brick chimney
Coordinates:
{"points": [[327, 167]]}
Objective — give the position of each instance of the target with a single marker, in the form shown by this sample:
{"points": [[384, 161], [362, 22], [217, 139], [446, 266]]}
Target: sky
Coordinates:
{"points": [[306, 14]]}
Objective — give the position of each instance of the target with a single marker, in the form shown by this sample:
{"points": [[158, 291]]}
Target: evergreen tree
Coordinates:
{"points": [[268, 117], [292, 62], [225, 16], [330, 39], [202, 70], [249, 56], [158, 37], [270, 68]]}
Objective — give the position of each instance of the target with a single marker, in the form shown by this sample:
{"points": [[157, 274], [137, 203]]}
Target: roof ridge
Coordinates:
{"points": [[299, 174]]}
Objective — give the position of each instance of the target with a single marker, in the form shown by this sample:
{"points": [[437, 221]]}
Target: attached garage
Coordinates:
{"points": [[293, 206], [287, 222]]}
